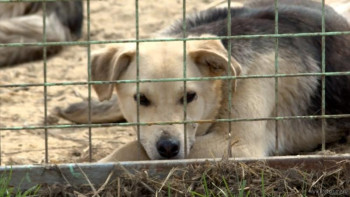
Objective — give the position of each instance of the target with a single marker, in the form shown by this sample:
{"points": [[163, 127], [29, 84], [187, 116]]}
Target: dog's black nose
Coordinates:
{"points": [[168, 148]]}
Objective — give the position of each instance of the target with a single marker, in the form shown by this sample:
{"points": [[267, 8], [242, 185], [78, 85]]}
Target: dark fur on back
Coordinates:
{"points": [[297, 16]]}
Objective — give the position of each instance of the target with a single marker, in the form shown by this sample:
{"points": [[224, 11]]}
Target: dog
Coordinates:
{"points": [[209, 99], [22, 22]]}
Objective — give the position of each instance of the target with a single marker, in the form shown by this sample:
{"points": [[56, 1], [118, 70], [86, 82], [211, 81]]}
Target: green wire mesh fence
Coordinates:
{"points": [[185, 79]]}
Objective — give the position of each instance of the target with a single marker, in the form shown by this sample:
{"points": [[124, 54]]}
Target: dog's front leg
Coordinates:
{"points": [[217, 143], [132, 151], [212, 145]]}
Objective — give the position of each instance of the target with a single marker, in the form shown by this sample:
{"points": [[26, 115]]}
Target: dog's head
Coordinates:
{"points": [[164, 101]]}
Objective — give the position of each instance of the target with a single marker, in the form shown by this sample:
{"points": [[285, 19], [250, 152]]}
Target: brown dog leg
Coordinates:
{"points": [[130, 152]]}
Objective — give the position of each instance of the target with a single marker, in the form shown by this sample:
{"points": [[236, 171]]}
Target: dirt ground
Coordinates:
{"points": [[24, 106]]}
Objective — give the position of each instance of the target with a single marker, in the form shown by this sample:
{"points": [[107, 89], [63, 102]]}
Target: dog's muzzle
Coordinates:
{"points": [[168, 147]]}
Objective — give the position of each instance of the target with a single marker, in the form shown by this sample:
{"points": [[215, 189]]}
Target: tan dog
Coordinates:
{"points": [[204, 98], [208, 99]]}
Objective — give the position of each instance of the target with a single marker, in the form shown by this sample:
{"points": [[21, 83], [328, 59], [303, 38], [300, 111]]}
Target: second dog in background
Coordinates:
{"points": [[23, 23]]}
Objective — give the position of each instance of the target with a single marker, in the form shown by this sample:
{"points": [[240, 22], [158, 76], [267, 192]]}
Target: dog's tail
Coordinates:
{"points": [[101, 112], [27, 27]]}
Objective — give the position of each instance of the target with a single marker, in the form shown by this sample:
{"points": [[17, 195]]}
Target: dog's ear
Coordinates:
{"points": [[107, 65], [212, 57]]}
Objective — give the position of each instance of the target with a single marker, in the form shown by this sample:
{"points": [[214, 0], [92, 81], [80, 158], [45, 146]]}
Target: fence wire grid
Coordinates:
{"points": [[137, 40]]}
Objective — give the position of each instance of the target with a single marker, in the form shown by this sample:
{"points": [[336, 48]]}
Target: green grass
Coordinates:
{"points": [[226, 192], [262, 184], [6, 190]]}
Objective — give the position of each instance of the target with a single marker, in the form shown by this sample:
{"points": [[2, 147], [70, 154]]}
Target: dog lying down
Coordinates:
{"points": [[208, 100]]}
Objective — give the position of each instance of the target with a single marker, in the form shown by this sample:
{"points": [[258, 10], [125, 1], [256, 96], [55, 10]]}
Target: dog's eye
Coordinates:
{"points": [[190, 96], [143, 100]]}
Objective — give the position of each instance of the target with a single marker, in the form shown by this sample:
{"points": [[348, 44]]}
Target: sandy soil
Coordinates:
{"points": [[24, 106]]}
